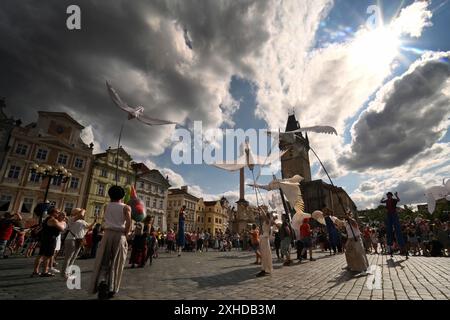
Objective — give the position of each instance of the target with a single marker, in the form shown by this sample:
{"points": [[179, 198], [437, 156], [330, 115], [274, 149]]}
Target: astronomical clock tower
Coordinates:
{"points": [[296, 160]]}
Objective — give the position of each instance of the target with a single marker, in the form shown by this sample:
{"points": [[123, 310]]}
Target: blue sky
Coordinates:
{"points": [[344, 18]]}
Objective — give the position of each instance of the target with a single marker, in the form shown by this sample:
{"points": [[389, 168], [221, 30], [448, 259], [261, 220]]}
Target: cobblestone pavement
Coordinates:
{"points": [[231, 275]]}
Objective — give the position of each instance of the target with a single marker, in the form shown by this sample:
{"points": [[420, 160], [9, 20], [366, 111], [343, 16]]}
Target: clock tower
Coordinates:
{"points": [[296, 159]]}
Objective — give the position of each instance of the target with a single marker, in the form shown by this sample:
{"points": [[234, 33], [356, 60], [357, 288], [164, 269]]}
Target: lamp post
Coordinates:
{"points": [[50, 173]]}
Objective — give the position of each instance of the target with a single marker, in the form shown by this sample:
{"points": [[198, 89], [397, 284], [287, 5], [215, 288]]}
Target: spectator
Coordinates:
{"points": [[286, 236], [139, 246], [254, 238], [7, 224], [76, 231], [52, 226], [305, 236]]}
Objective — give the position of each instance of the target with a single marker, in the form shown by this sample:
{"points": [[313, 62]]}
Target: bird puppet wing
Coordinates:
{"points": [[318, 216], [117, 100], [317, 129], [153, 121]]}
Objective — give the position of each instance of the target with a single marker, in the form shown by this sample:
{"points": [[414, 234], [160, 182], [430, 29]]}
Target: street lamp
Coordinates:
{"points": [[50, 173]]}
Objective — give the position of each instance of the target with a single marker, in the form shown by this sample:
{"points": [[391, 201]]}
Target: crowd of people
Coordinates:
{"points": [[71, 237]]}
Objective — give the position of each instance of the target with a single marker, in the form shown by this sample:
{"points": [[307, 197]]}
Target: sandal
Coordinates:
{"points": [[47, 275]]}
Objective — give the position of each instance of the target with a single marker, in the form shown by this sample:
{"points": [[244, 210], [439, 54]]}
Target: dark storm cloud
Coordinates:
{"points": [[410, 192], [134, 44], [415, 105]]}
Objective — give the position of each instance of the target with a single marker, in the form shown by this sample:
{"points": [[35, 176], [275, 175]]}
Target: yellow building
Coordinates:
{"points": [[215, 215], [176, 199], [104, 176], [54, 140]]}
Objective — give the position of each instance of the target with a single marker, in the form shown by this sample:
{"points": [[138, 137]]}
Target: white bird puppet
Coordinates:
{"points": [[436, 193], [290, 188], [290, 136], [134, 113], [248, 159]]}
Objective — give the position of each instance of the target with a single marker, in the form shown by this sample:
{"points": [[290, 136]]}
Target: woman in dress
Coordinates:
{"points": [[355, 253], [181, 241], [265, 249]]}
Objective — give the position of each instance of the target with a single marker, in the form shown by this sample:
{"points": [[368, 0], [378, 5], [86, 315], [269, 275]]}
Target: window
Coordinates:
{"points": [[74, 182], [41, 154], [68, 206], [79, 163], [209, 219], [21, 149], [128, 180], [147, 203], [179, 202], [34, 177], [141, 185], [97, 210], [121, 163], [220, 221], [57, 181], [169, 204], [104, 173], [5, 201], [198, 219], [14, 172], [62, 158], [116, 177], [27, 204], [216, 220], [159, 221], [154, 203], [160, 204], [101, 189]]}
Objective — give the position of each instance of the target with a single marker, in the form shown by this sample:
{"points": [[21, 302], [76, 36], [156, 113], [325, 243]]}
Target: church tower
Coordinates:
{"points": [[296, 160]]}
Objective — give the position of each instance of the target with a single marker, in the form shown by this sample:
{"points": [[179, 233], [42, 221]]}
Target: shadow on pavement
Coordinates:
{"points": [[224, 279], [394, 264]]}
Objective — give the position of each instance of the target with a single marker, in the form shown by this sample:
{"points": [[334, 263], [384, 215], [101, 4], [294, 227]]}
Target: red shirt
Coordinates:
{"points": [[305, 230], [6, 229]]}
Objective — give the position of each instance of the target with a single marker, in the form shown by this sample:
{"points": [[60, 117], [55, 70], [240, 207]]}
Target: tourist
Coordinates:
{"points": [[139, 246], [152, 244], [51, 228], [393, 223], [53, 263], [201, 239], [331, 229], [367, 239], [265, 249], [170, 241], [305, 237], [254, 240], [277, 244], [76, 231], [355, 253], [206, 241], [7, 224], [181, 241], [374, 240], [286, 236], [97, 235], [112, 252]]}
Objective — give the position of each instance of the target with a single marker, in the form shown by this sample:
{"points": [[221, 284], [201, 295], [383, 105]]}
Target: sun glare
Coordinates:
{"points": [[375, 49]]}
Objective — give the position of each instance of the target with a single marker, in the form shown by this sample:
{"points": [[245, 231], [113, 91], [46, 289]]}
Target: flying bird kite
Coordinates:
{"points": [[134, 113], [436, 193], [290, 188], [248, 159]]}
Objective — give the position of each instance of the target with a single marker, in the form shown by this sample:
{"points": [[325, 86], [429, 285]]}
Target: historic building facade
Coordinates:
{"points": [[54, 140], [317, 194], [215, 216], [103, 176], [176, 199], [152, 188], [6, 127]]}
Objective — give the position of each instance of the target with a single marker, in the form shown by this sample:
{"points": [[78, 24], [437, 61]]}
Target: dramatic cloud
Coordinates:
{"points": [[407, 117]]}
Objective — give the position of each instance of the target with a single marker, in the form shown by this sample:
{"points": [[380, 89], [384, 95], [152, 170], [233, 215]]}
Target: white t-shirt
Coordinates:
{"points": [[77, 229]]}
